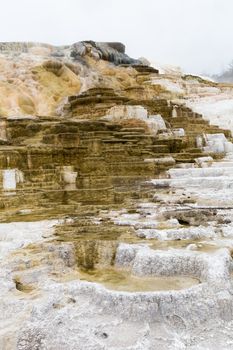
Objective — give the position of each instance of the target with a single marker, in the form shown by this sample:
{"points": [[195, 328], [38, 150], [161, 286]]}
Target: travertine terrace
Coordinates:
{"points": [[116, 183]]}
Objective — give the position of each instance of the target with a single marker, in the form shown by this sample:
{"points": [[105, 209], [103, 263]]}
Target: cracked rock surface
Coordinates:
{"points": [[116, 220]]}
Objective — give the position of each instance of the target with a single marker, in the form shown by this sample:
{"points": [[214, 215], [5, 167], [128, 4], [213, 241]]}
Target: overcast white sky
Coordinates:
{"points": [[194, 34]]}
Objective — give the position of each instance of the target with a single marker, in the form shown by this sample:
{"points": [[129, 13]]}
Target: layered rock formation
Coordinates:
{"points": [[116, 203]]}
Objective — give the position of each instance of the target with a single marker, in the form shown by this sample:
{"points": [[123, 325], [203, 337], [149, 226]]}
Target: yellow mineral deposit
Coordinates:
{"points": [[116, 201]]}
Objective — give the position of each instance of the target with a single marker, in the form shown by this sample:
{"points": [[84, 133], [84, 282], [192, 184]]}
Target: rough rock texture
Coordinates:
{"points": [[116, 203]]}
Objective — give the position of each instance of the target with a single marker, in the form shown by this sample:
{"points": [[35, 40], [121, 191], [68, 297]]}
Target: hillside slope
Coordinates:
{"points": [[115, 202]]}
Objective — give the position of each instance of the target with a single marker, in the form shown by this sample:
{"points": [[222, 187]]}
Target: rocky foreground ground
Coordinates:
{"points": [[116, 221]]}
